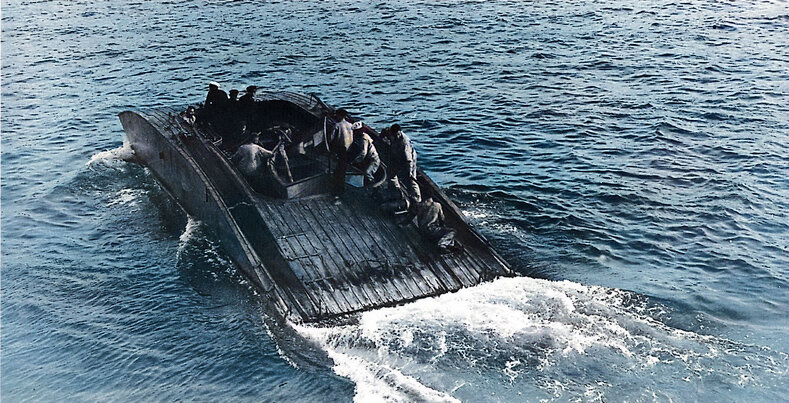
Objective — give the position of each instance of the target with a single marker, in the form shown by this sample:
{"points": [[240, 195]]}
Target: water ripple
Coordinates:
{"points": [[631, 146]]}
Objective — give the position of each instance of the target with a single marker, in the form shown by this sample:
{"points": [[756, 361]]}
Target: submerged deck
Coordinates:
{"points": [[350, 257], [313, 258]]}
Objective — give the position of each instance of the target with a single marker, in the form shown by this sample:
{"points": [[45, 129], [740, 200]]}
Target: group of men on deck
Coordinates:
{"points": [[229, 115], [235, 121], [401, 195], [232, 118]]}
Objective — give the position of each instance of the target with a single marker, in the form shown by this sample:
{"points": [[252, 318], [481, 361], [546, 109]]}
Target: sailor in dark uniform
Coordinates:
{"points": [[402, 163], [233, 96], [246, 108], [249, 97], [216, 98]]}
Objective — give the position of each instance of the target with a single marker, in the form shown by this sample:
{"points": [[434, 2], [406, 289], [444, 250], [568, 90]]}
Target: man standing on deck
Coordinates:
{"points": [[233, 96], [215, 100], [213, 107], [249, 97], [246, 107], [402, 163], [341, 140]]}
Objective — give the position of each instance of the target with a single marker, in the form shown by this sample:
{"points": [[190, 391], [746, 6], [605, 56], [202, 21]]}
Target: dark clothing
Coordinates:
{"points": [[247, 99], [402, 165], [231, 107], [232, 127], [215, 100], [213, 109], [338, 176], [246, 111]]}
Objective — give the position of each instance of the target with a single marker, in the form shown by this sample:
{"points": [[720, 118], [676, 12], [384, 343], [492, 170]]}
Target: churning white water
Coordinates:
{"points": [[517, 339]]}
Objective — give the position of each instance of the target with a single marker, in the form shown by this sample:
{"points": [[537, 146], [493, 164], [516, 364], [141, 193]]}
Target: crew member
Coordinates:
{"points": [[189, 116], [246, 107], [365, 155], [249, 97], [393, 200], [252, 159], [233, 96], [430, 223], [214, 102], [342, 137], [233, 123], [402, 163]]}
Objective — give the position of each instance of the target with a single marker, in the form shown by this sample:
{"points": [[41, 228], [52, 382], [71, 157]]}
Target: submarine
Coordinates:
{"points": [[313, 259]]}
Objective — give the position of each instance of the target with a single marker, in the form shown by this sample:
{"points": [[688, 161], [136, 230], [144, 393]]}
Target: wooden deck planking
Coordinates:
{"points": [[391, 292], [417, 242], [425, 269], [314, 282], [338, 254], [477, 263], [379, 229], [353, 283], [340, 295], [344, 251], [409, 265], [353, 232], [460, 268], [317, 293], [280, 233], [441, 273], [310, 277], [369, 236], [389, 285], [455, 268]]}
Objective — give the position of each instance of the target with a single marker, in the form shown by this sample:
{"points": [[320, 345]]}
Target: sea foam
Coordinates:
{"points": [[515, 336]]}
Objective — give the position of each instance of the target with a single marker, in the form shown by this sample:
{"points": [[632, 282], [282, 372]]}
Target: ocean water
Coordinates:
{"points": [[629, 159]]}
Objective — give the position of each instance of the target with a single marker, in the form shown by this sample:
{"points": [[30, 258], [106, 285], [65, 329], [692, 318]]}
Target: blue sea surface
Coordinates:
{"points": [[629, 159]]}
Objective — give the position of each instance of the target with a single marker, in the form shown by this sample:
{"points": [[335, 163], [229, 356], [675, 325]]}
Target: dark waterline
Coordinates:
{"points": [[637, 151]]}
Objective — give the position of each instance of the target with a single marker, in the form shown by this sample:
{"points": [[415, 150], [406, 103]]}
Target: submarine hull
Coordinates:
{"points": [[313, 259]]}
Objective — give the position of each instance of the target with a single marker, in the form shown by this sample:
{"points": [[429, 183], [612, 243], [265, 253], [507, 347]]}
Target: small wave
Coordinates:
{"points": [[125, 197], [122, 153], [191, 230], [380, 382]]}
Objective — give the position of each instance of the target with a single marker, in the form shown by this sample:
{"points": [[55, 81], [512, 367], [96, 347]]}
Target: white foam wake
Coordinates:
{"points": [[523, 339], [126, 197], [122, 153], [190, 232]]}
